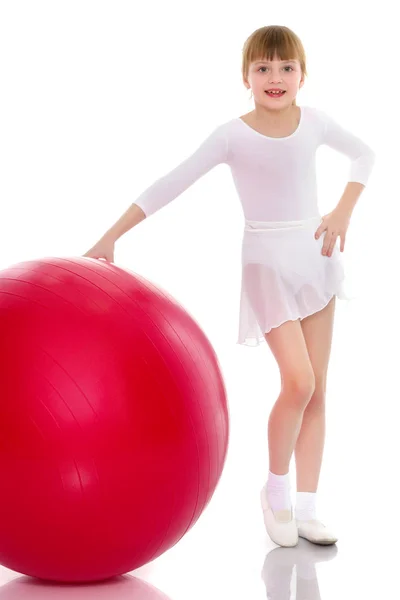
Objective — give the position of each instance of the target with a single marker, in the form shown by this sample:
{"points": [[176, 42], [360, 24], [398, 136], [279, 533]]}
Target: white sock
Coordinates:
{"points": [[278, 491], [306, 506]]}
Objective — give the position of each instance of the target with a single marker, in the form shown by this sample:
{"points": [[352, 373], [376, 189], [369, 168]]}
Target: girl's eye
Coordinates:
{"points": [[288, 67]]}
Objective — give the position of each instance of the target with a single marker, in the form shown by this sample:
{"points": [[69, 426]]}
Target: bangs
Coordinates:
{"points": [[271, 44]]}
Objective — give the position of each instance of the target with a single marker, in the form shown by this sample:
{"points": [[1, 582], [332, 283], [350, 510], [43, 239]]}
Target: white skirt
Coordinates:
{"points": [[285, 276]]}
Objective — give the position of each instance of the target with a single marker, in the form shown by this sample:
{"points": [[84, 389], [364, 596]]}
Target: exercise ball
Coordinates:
{"points": [[113, 420]]}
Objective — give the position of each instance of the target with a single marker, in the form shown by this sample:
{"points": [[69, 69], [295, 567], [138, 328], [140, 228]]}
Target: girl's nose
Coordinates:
{"points": [[275, 77]]}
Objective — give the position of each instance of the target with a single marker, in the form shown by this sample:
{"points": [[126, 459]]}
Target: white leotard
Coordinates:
{"points": [[275, 178]]}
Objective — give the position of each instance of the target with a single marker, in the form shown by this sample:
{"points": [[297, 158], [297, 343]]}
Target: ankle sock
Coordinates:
{"points": [[278, 491], [306, 506]]}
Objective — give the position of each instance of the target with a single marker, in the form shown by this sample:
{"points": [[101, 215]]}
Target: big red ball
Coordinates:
{"points": [[113, 420]]}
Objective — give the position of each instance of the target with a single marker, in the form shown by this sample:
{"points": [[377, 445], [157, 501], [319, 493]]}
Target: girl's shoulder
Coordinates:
{"points": [[314, 112], [319, 114], [317, 118]]}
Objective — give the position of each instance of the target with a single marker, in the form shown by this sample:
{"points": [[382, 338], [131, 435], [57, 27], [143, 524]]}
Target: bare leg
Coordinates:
{"points": [[297, 378], [317, 330]]}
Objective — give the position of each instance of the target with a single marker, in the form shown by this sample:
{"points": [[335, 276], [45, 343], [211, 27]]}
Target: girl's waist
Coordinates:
{"points": [[258, 226]]}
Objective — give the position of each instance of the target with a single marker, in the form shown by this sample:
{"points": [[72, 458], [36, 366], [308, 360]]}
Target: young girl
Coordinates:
{"points": [[291, 266]]}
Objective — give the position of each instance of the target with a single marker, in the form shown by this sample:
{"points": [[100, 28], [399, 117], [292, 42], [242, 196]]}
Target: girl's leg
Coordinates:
{"points": [[288, 346], [317, 330]]}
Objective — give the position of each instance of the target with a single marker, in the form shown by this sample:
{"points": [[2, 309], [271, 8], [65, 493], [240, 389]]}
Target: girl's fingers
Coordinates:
{"points": [[329, 243], [327, 239], [332, 246], [330, 239]]}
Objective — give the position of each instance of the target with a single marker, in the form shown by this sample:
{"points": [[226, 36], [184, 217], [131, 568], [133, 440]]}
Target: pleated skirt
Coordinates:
{"points": [[285, 276]]}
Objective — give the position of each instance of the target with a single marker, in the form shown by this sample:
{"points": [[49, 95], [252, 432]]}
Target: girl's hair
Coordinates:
{"points": [[267, 41]]}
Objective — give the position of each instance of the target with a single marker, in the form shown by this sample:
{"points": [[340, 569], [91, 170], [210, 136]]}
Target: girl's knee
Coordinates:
{"points": [[317, 400], [316, 403], [320, 383], [299, 388]]}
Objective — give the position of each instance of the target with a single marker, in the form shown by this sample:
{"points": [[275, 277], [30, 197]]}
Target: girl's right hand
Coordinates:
{"points": [[103, 249]]}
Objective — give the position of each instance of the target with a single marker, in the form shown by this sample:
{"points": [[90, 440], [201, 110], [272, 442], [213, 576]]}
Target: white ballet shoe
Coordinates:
{"points": [[314, 531], [280, 525]]}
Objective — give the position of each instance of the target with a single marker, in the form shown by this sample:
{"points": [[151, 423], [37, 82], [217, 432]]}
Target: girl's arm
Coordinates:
{"points": [[362, 156], [211, 152], [131, 217]]}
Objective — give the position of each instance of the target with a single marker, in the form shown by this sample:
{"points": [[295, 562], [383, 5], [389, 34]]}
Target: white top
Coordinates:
{"points": [[275, 178]]}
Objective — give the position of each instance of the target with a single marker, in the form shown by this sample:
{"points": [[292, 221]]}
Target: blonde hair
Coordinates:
{"points": [[267, 41]]}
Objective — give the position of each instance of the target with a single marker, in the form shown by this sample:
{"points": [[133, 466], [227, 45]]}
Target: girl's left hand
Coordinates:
{"points": [[335, 224]]}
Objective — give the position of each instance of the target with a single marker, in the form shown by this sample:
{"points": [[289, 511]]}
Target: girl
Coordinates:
{"points": [[291, 266]]}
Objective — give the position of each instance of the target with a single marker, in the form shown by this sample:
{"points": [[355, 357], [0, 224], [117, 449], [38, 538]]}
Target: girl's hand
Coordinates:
{"points": [[103, 249], [335, 224]]}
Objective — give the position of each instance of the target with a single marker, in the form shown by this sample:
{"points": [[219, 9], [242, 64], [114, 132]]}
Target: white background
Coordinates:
{"points": [[100, 99]]}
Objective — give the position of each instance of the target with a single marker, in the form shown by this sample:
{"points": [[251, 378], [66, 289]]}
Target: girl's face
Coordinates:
{"points": [[282, 75]]}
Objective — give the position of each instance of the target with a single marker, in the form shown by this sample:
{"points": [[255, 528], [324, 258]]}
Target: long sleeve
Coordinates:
{"points": [[211, 152], [340, 139]]}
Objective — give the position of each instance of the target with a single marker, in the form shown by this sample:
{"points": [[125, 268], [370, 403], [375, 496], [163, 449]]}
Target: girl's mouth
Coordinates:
{"points": [[275, 94]]}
